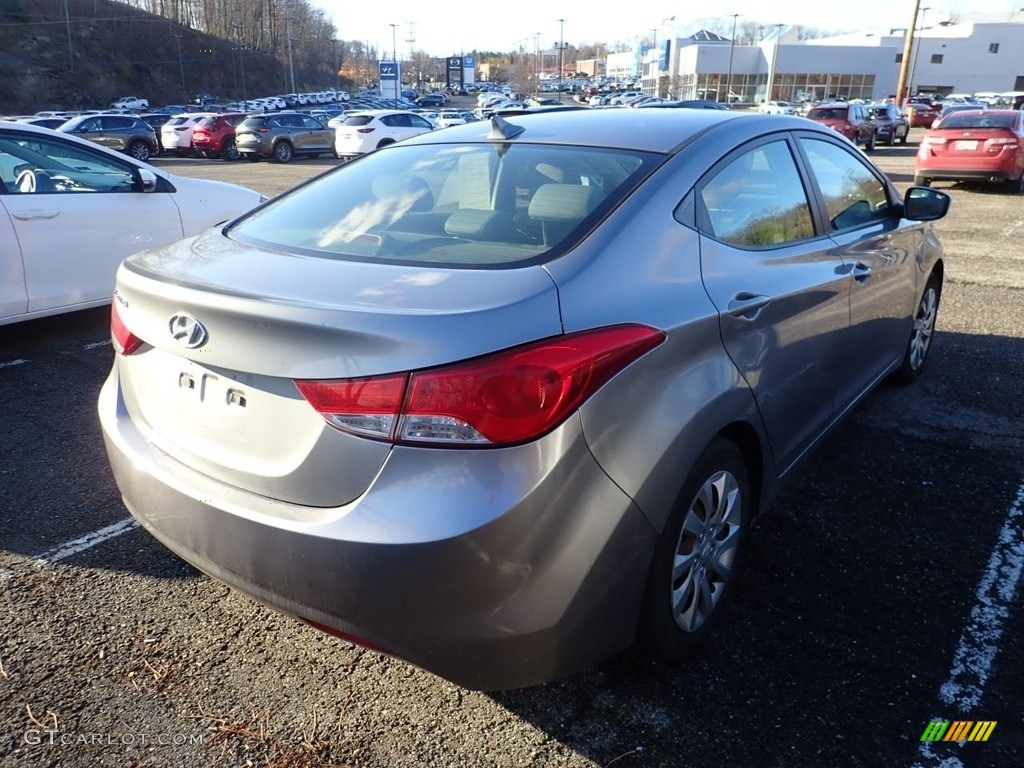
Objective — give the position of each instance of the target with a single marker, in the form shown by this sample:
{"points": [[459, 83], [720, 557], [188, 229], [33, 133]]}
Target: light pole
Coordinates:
{"points": [[536, 64], [657, 63], [732, 48], [775, 56], [561, 55], [181, 68], [917, 51], [394, 58]]}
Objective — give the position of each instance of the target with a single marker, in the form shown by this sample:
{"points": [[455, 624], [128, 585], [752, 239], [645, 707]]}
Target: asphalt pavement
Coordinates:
{"points": [[882, 590]]}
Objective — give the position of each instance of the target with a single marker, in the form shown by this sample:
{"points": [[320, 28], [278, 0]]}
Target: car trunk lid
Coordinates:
{"points": [[229, 328]]}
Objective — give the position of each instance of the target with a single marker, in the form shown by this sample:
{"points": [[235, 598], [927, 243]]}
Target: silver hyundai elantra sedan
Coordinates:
{"points": [[504, 399]]}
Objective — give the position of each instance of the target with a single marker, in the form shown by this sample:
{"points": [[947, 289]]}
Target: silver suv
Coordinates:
{"points": [[282, 136], [125, 133]]}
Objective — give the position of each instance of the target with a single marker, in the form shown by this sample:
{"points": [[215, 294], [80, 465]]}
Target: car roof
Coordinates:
{"points": [[660, 130]]}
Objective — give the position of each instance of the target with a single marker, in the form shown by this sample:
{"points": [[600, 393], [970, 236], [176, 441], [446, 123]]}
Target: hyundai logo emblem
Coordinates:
{"points": [[187, 331]]}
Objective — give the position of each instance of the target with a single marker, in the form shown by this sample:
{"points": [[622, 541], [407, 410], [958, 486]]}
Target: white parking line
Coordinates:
{"points": [[69, 548], [979, 644], [97, 344], [9, 363]]}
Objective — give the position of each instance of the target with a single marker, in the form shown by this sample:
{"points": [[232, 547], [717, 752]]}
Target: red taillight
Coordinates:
{"points": [[505, 398], [264, 129], [125, 342], [364, 130]]}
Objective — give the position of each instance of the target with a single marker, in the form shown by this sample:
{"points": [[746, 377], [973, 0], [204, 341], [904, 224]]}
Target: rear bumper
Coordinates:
{"points": [[493, 569], [995, 175]]}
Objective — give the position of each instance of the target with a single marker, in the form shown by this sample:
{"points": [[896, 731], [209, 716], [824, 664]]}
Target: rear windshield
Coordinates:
{"points": [[206, 121], [834, 113], [253, 122], [878, 112], [473, 205], [358, 120], [977, 122], [177, 121]]}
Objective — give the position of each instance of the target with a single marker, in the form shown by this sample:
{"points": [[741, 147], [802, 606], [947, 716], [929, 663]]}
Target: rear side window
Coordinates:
{"points": [[758, 200]]}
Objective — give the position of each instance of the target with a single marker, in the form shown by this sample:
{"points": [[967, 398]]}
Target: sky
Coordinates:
{"points": [[445, 29]]}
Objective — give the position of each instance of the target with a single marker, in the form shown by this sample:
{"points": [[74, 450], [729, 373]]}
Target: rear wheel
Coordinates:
{"points": [[697, 557], [870, 146], [921, 333], [1014, 186], [139, 150], [385, 142], [903, 139], [922, 181], [230, 150], [283, 152]]}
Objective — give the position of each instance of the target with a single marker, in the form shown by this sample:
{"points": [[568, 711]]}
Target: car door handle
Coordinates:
{"points": [[746, 304], [35, 213], [861, 272]]}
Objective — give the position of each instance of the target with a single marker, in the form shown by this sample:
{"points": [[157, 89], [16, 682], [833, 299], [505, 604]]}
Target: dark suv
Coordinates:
{"points": [[282, 136], [893, 125], [851, 120], [214, 136], [125, 133]]}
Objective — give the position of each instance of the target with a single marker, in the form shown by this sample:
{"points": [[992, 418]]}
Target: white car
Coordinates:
{"points": [[777, 108], [176, 133], [130, 102], [71, 210], [372, 129], [449, 117]]}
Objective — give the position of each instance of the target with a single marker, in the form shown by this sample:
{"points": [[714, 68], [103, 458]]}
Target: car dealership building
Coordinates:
{"points": [[953, 54]]}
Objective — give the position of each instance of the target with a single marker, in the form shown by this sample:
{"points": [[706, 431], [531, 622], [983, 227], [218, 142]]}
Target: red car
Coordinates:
{"points": [[974, 145], [921, 112], [851, 120], [215, 136]]}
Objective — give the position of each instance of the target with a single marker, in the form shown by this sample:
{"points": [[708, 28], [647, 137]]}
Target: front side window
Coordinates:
{"points": [[36, 165], [473, 205], [758, 200], [853, 194]]}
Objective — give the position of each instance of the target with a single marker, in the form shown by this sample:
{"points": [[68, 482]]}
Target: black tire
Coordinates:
{"points": [[230, 151], [283, 152], [385, 142], [1014, 186], [903, 139], [870, 145], [708, 529], [922, 181], [139, 150], [921, 333]]}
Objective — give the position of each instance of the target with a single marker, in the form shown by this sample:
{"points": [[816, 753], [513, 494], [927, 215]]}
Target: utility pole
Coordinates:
{"points": [[237, 29], [181, 68], [337, 68], [71, 49], [291, 62], [908, 46]]}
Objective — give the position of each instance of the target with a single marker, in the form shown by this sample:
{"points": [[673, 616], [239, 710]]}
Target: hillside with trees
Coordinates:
{"points": [[74, 54]]}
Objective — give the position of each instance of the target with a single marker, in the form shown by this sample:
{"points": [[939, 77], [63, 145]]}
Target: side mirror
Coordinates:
{"points": [[925, 204], [147, 179]]}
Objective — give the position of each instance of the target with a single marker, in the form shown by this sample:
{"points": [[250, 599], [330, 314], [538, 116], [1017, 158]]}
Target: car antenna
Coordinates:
{"points": [[502, 130]]}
